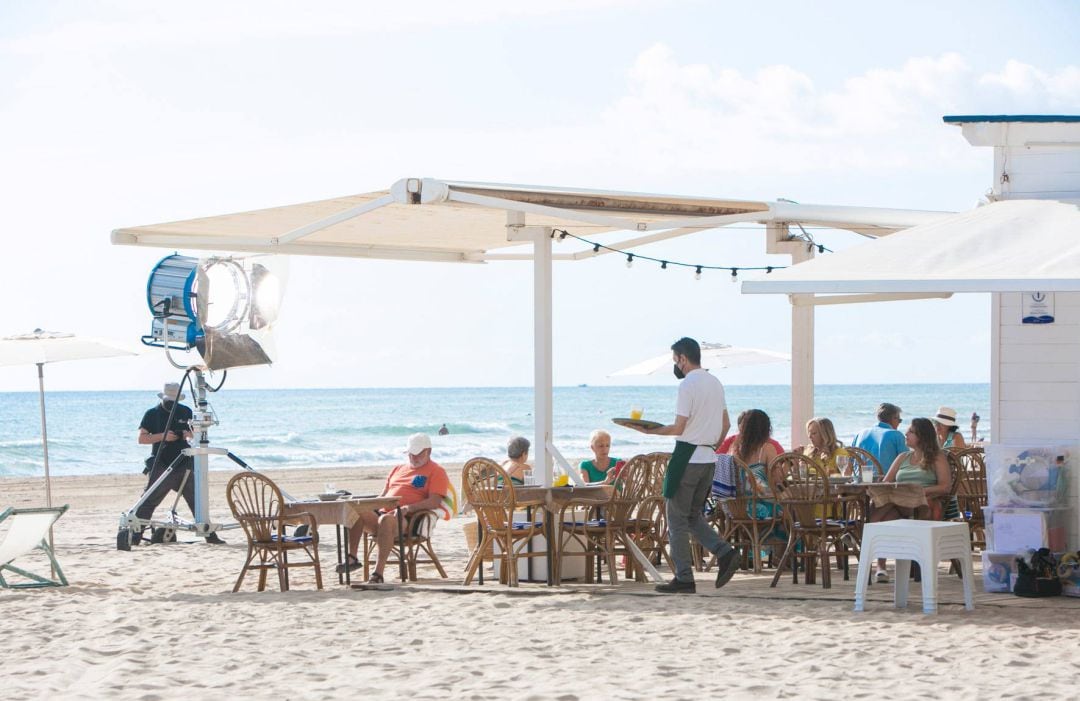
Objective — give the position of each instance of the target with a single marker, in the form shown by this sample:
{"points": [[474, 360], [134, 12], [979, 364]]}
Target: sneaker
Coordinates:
{"points": [[676, 586], [726, 566], [214, 539], [881, 577]]}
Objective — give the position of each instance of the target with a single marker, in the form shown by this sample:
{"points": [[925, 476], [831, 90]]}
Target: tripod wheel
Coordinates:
{"points": [[163, 535], [123, 539]]}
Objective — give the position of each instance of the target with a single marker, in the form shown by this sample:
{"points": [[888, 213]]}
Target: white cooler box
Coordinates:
{"points": [[573, 567], [1015, 530]]}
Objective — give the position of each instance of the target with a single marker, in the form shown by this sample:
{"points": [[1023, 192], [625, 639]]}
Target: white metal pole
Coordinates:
{"points": [[802, 361], [778, 241], [44, 438], [45, 450], [542, 375]]}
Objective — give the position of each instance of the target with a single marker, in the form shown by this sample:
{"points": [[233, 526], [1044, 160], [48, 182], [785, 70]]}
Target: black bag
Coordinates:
{"points": [[149, 462], [1039, 578]]}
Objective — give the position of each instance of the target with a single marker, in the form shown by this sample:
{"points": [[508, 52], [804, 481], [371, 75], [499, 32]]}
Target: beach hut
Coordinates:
{"points": [[1022, 247], [424, 219]]}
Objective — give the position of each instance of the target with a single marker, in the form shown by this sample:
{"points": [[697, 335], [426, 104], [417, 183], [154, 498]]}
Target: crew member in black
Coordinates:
{"points": [[167, 441]]}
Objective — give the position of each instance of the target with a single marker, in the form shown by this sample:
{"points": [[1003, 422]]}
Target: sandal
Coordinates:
{"points": [[349, 565], [375, 578], [881, 577]]}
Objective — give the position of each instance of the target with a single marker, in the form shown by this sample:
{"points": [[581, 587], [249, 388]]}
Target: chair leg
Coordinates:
{"points": [[314, 552], [244, 569], [784, 559], [476, 560], [434, 559]]}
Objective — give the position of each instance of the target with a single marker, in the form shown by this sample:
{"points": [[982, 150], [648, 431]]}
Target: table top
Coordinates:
{"points": [[341, 511], [553, 497]]}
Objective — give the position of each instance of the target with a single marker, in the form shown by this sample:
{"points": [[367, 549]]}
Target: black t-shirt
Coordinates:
{"points": [[154, 421]]}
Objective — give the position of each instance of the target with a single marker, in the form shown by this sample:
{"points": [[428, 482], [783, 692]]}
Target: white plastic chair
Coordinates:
{"points": [[28, 531], [925, 542]]}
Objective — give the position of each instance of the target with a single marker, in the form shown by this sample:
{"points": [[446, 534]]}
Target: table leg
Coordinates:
{"points": [[345, 559], [403, 569], [552, 551], [479, 542], [529, 549], [340, 553]]}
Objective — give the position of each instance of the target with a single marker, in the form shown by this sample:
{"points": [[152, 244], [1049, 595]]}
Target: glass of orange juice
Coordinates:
{"points": [[636, 412]]}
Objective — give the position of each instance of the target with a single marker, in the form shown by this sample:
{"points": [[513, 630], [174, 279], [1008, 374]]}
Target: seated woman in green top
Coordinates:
{"points": [[599, 468], [517, 466], [925, 464]]}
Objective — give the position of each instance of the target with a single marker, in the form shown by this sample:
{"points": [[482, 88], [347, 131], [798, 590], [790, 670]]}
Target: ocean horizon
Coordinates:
{"points": [[95, 432]]}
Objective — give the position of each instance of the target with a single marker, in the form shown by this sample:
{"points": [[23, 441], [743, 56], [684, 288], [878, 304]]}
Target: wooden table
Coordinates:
{"points": [[553, 500], [344, 513]]}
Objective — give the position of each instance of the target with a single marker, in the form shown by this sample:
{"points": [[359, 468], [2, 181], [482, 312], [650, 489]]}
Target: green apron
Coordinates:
{"points": [[676, 467]]}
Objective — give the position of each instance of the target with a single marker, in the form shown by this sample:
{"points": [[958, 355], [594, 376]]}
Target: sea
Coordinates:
{"points": [[92, 433]]}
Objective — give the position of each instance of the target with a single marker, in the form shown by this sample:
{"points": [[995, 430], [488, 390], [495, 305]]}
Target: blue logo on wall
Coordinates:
{"points": [[419, 481]]}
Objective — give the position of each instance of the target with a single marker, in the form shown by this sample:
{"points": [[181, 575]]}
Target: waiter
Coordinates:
{"points": [[701, 422]]}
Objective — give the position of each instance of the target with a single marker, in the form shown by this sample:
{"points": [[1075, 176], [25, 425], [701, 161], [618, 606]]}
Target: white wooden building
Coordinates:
{"points": [[1026, 240]]}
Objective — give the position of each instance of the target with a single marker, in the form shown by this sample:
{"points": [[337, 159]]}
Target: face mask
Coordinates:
{"points": [[166, 405], [679, 374]]}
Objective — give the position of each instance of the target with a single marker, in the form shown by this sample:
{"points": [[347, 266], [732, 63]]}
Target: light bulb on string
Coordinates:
{"points": [[663, 265], [734, 274], [697, 273], [629, 260]]}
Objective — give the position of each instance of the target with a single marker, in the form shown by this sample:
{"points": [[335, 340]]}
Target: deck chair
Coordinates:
{"points": [[28, 531]]}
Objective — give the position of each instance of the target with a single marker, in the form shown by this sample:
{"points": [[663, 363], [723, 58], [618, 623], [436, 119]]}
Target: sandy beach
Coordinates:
{"points": [[161, 622]]}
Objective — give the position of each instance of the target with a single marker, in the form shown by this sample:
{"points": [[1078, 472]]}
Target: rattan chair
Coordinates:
{"points": [[583, 522], [751, 517], [801, 485], [648, 525], [635, 514], [256, 503], [490, 492], [418, 548], [861, 459], [971, 495]]}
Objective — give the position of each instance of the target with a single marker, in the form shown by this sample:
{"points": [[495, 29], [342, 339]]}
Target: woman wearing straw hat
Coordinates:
{"points": [[947, 429]]}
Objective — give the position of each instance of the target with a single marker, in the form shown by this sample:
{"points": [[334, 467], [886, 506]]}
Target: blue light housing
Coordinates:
{"points": [[169, 294]]}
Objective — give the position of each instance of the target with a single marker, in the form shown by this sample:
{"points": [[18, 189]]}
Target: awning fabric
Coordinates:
{"points": [[427, 219], [1006, 246]]}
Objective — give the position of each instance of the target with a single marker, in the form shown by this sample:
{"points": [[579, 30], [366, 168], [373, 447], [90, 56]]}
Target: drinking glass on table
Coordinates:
{"points": [[636, 413]]}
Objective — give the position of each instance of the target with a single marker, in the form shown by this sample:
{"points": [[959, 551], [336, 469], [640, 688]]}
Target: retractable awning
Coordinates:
{"points": [[445, 221]]}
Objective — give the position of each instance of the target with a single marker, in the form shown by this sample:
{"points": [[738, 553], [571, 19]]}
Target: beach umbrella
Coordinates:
{"points": [[42, 347], [713, 355]]}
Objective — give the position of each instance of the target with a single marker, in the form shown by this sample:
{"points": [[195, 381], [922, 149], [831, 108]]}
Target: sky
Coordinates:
{"points": [[124, 113]]}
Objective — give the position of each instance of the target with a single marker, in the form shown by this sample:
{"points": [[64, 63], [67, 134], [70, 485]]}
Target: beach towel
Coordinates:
{"points": [[723, 484], [449, 506]]}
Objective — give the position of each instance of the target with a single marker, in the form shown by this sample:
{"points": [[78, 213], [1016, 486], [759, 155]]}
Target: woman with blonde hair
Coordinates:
{"points": [[823, 442], [599, 469]]}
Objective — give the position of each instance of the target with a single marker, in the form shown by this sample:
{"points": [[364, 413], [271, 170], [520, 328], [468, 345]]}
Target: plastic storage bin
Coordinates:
{"points": [[998, 571], [1011, 530], [1028, 477]]}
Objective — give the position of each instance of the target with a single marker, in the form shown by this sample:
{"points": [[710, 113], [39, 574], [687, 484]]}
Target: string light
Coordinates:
{"points": [[698, 268]]}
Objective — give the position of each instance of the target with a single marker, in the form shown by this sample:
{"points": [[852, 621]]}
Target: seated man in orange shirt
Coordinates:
{"points": [[421, 484]]}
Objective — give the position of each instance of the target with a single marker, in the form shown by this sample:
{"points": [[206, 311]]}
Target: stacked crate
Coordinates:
{"points": [[1026, 490]]}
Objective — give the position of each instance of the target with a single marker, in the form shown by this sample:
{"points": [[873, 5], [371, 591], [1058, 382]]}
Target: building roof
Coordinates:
{"points": [[1007, 246], [1028, 118]]}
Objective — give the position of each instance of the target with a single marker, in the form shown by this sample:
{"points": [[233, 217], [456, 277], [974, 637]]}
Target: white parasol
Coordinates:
{"points": [[42, 347], [713, 356]]}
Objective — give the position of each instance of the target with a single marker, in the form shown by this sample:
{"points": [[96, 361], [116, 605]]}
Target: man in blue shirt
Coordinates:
{"points": [[883, 441]]}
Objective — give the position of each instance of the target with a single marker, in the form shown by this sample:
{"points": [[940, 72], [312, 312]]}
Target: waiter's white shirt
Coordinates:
{"points": [[701, 401]]}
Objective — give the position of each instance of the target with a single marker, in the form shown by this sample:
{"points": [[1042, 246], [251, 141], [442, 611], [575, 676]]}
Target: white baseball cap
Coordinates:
{"points": [[418, 443]]}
